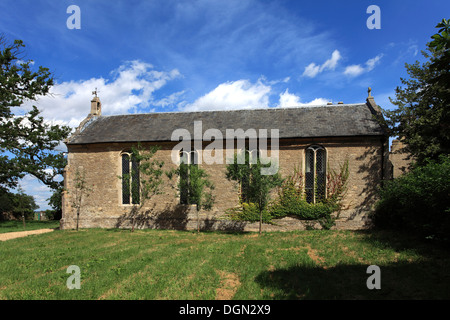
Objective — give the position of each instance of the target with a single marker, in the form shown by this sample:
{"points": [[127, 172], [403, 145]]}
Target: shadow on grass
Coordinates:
{"points": [[402, 281], [401, 241]]}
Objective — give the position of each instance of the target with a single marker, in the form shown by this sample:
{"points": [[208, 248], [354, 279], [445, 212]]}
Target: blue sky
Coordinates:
{"points": [[167, 55]]}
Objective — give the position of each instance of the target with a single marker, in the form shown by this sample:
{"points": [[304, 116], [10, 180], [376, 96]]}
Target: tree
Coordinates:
{"points": [[255, 186], [55, 201], [150, 181], [195, 187], [6, 202], [24, 205], [81, 190], [422, 117], [27, 142], [18, 204], [197, 191]]}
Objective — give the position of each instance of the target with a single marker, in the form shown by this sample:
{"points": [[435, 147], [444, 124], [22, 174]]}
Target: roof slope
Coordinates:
{"points": [[322, 121]]}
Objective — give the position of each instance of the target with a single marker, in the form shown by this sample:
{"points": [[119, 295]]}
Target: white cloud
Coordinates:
{"points": [[371, 63], [288, 99], [169, 100], [291, 100], [332, 62], [131, 86], [313, 70], [356, 69], [240, 94]]}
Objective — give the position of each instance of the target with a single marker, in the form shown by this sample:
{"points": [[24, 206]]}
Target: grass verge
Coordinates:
{"points": [[163, 264], [17, 225]]}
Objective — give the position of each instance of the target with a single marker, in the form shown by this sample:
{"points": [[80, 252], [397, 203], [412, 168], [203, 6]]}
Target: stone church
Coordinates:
{"points": [[320, 137]]}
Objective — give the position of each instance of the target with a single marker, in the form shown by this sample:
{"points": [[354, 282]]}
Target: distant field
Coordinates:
{"points": [[158, 264], [15, 226]]}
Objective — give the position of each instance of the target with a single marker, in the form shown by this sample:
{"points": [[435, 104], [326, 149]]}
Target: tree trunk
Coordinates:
{"points": [[198, 220], [133, 219], [78, 216], [260, 221]]}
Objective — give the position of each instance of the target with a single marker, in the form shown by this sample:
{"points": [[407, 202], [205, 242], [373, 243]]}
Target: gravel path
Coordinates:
{"points": [[13, 235]]}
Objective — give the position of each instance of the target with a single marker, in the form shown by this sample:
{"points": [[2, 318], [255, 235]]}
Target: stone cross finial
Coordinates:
{"points": [[369, 92], [95, 92]]}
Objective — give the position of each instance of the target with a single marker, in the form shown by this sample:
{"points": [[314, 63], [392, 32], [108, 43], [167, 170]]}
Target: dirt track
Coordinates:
{"points": [[13, 235]]}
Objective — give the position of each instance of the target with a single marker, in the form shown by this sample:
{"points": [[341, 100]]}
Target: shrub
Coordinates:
{"points": [[291, 204], [418, 201], [292, 201], [248, 212], [301, 209]]}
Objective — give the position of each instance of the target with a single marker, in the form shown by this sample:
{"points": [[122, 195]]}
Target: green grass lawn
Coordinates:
{"points": [[17, 225], [162, 264]]}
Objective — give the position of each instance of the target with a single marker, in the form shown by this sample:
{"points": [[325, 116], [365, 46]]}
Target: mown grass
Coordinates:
{"points": [[163, 264], [17, 225]]}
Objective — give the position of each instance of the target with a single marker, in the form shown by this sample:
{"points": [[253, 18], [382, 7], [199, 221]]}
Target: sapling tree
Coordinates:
{"points": [[149, 182], [256, 185], [195, 187], [200, 191], [81, 191]]}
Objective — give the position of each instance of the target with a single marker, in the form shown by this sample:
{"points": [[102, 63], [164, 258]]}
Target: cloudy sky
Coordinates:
{"points": [[184, 55]]}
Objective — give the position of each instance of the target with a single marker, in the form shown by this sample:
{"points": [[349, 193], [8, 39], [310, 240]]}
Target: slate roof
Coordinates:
{"points": [[340, 120]]}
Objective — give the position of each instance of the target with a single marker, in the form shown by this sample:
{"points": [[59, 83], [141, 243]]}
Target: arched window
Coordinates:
{"points": [[315, 173], [187, 159], [247, 158], [130, 179]]}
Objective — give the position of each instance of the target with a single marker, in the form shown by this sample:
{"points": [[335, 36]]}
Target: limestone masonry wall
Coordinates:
{"points": [[399, 158], [102, 207]]}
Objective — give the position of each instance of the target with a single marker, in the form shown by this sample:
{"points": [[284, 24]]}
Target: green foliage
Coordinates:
{"points": [[441, 45], [255, 185], [248, 212], [418, 201], [198, 186], [337, 184], [195, 186], [55, 201], [80, 191], [422, 117], [291, 199], [298, 207], [20, 205], [27, 142], [151, 172], [149, 183]]}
